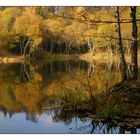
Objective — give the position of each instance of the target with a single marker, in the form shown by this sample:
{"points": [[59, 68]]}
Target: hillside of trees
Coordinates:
{"points": [[67, 30]]}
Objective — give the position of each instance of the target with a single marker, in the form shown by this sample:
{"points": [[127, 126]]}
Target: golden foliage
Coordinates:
{"points": [[71, 25]]}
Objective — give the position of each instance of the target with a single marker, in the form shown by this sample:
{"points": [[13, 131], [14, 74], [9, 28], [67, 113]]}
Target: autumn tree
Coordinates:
{"points": [[41, 11], [65, 29], [28, 28], [54, 29], [7, 18]]}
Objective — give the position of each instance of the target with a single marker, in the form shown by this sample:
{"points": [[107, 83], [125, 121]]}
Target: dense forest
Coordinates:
{"points": [[24, 30]]}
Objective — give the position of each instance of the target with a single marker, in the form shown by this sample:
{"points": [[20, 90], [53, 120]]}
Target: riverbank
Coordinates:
{"points": [[11, 59], [104, 57], [61, 57]]}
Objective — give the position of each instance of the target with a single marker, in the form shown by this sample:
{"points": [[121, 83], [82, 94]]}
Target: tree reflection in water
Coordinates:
{"points": [[36, 89], [94, 127]]}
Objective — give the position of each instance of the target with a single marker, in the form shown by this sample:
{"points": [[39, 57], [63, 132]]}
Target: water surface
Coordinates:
{"points": [[29, 103]]}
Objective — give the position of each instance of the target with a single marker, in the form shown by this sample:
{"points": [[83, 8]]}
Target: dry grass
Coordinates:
{"points": [[104, 57], [11, 59]]}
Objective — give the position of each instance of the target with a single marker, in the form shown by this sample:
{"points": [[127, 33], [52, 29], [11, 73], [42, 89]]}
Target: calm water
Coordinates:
{"points": [[29, 94]]}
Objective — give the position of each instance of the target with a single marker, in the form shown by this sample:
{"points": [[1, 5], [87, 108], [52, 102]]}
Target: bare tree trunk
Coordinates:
{"points": [[26, 46], [69, 46], [134, 47], [120, 46], [91, 69], [91, 47]]}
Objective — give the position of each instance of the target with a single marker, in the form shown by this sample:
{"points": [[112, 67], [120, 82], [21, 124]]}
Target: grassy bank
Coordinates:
{"points": [[60, 57], [45, 57], [101, 57], [11, 59], [104, 57]]}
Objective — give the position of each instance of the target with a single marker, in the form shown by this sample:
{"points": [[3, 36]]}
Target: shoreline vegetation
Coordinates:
{"points": [[102, 57]]}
